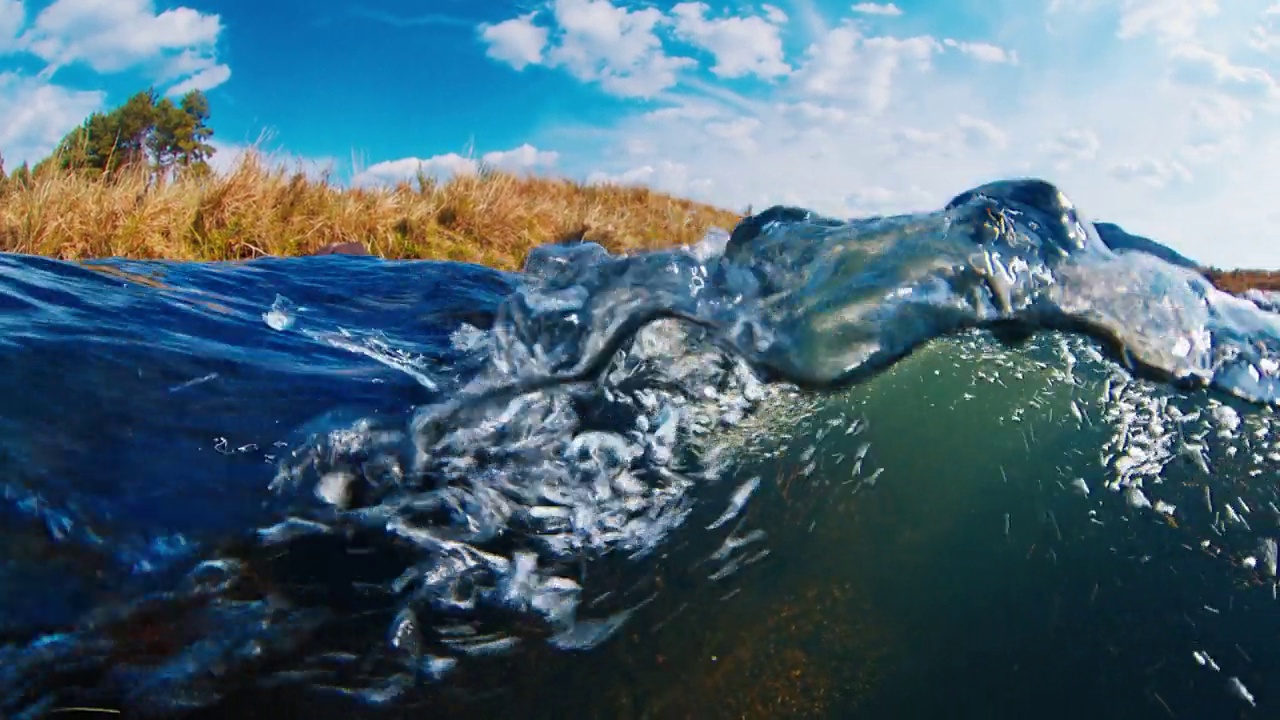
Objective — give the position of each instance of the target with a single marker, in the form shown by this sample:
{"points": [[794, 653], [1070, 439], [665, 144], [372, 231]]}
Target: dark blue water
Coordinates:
{"points": [[965, 464]]}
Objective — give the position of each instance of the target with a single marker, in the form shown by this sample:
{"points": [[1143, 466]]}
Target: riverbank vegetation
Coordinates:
{"points": [[258, 208], [136, 182]]}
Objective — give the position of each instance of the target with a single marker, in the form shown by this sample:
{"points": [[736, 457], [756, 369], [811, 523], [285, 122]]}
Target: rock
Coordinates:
{"points": [[343, 248]]}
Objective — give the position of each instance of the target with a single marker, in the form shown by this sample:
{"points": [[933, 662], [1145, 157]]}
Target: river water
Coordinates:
{"points": [[968, 464]]}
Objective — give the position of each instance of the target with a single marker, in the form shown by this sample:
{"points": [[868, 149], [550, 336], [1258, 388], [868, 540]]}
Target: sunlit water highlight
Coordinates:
{"points": [[787, 473]]}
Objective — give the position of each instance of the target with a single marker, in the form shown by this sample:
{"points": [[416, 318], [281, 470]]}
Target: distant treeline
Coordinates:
{"points": [[146, 131]]}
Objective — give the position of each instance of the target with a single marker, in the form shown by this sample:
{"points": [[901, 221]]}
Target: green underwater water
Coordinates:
{"points": [[972, 579]]}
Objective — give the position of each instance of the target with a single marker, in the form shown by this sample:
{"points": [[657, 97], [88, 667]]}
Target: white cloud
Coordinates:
{"points": [[979, 134], [517, 42], [619, 48], [876, 200], [845, 63], [1264, 35], [204, 80], [1195, 65], [816, 113], [914, 141], [986, 52], [34, 116], [1155, 172], [742, 46], [672, 176], [520, 159], [774, 14], [175, 46], [595, 41], [1217, 116], [1072, 146], [870, 8], [389, 172], [118, 35], [1157, 114], [1168, 20], [227, 157], [12, 17], [1163, 20], [1265, 38], [736, 134]]}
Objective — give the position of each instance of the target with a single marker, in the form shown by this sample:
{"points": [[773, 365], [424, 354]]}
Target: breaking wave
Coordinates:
{"points": [[381, 483]]}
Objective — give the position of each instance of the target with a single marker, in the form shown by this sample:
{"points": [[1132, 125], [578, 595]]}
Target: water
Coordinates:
{"points": [[968, 463]]}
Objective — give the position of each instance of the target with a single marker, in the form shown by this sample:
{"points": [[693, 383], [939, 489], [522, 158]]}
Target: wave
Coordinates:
{"points": [[569, 427]]}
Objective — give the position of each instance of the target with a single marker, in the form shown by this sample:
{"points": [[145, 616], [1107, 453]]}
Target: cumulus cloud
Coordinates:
{"points": [[845, 63], [113, 36], [595, 41], [1163, 20], [774, 14], [985, 52], [1167, 20], [519, 159], [35, 115], [1165, 126], [518, 41], [525, 157], [12, 17], [747, 45], [870, 8], [671, 176], [174, 49]]}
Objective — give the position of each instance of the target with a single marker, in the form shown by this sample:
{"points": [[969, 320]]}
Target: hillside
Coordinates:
{"points": [[491, 218]]}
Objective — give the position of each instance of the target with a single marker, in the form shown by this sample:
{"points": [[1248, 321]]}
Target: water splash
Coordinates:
{"points": [[594, 428]]}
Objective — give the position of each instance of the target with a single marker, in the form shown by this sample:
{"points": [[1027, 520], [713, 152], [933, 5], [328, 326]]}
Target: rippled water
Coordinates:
{"points": [[969, 463]]}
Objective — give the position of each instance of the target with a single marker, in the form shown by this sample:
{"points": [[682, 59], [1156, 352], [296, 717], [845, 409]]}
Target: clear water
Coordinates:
{"points": [[968, 464]]}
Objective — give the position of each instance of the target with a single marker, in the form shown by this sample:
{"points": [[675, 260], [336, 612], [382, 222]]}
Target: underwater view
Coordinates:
{"points": [[970, 463]]}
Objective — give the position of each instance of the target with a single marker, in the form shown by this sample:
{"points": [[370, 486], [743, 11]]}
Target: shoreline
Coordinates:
{"points": [[255, 209]]}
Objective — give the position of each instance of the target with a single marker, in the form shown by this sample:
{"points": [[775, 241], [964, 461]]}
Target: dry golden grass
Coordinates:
{"points": [[262, 209], [1238, 281], [490, 218]]}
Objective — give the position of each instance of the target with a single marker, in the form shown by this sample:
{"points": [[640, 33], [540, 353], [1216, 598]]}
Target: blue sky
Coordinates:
{"points": [[1157, 114]]}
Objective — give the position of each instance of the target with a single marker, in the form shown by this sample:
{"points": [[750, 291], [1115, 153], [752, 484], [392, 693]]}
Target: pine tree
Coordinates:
{"points": [[146, 129], [195, 149], [181, 132]]}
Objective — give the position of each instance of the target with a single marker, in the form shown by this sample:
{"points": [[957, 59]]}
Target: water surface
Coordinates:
{"points": [[968, 463]]}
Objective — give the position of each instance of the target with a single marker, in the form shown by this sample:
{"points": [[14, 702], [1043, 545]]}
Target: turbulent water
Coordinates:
{"points": [[968, 463]]}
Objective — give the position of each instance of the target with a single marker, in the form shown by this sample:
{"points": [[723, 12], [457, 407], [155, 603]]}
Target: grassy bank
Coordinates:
{"points": [[492, 218], [1238, 281], [258, 209]]}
